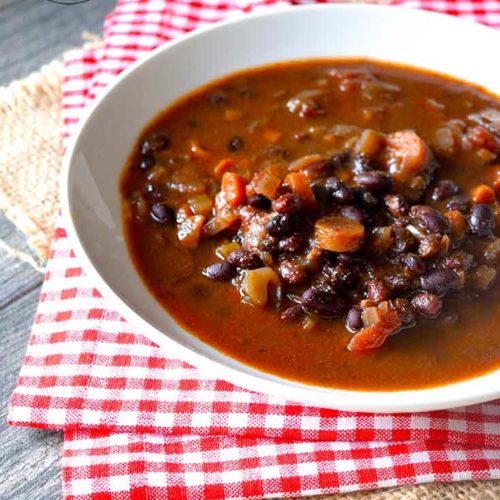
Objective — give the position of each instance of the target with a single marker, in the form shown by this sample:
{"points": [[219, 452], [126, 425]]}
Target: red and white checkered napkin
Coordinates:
{"points": [[140, 423]]}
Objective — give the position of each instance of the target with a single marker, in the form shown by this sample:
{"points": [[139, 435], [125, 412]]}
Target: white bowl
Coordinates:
{"points": [[90, 186]]}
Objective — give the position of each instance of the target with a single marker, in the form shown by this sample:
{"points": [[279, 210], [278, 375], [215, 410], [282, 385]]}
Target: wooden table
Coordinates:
{"points": [[32, 33]]}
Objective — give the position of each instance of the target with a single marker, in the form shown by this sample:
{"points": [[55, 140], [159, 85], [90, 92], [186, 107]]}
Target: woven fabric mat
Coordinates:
{"points": [[30, 153], [30, 162]]}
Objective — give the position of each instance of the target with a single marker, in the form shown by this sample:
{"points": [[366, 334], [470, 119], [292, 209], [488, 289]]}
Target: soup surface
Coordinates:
{"points": [[330, 222]]}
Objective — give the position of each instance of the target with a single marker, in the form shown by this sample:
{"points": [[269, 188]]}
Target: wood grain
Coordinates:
{"points": [[32, 33]]}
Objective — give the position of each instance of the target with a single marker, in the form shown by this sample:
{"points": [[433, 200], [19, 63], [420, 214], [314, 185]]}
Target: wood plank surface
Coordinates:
{"points": [[32, 33]]}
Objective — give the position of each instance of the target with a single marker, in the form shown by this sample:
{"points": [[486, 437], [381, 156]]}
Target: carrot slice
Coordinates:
{"points": [[338, 234], [299, 184], [223, 166], [483, 194], [233, 187], [406, 152]]}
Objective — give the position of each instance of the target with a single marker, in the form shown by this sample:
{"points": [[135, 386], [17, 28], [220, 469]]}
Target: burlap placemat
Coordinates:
{"points": [[30, 153], [30, 162]]}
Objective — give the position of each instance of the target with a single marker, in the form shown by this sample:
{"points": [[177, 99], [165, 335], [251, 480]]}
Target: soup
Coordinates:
{"points": [[331, 222]]}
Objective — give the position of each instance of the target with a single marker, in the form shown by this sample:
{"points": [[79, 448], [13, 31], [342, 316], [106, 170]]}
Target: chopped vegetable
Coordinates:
{"points": [[255, 285], [305, 161], [380, 323], [223, 251], [183, 212], [406, 152], [190, 230], [370, 143], [483, 194], [458, 223], [483, 277], [338, 234], [381, 239], [264, 183], [228, 222], [233, 187], [299, 184], [223, 166], [410, 162], [201, 205]]}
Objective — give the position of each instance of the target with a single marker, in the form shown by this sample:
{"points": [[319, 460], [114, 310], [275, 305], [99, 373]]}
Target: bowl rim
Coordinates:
{"points": [[399, 401]]}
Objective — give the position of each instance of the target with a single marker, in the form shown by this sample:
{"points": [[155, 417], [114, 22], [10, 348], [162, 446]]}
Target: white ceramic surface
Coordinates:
{"points": [[95, 158]]}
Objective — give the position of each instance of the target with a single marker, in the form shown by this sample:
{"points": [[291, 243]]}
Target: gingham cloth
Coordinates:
{"points": [[139, 423]]}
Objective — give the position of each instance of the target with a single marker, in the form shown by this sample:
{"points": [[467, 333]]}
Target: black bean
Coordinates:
{"points": [[430, 246], [245, 259], [413, 263], [361, 163], [292, 273], [155, 142], [481, 220], [438, 281], [280, 225], [269, 244], [430, 219], [403, 240], [320, 193], [318, 170], [427, 304], [340, 276], [349, 259], [324, 304], [235, 144], [293, 243], [162, 213], [337, 160], [353, 213], [218, 98], [458, 260], [337, 190], [220, 271], [259, 201], [459, 203], [373, 181], [368, 199], [146, 162], [405, 312], [376, 290], [354, 319], [398, 283], [396, 205], [288, 203], [444, 189], [292, 313]]}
